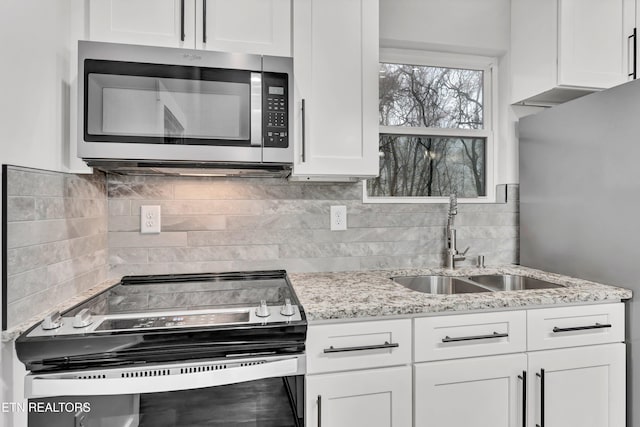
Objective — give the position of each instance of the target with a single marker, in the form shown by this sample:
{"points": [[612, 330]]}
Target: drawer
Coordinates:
{"points": [[469, 335], [574, 326], [361, 345]]}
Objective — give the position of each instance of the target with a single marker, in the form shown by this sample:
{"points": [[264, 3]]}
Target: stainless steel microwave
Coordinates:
{"points": [[164, 110]]}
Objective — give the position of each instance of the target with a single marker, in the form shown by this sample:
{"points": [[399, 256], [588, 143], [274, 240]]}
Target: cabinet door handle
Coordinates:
{"points": [[541, 376], [361, 348], [476, 337], [204, 21], [523, 377], [181, 20], [634, 57], [319, 411], [304, 142], [582, 328]]}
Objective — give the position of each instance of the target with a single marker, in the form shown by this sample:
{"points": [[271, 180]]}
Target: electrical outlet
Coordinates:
{"points": [[338, 218], [149, 219]]}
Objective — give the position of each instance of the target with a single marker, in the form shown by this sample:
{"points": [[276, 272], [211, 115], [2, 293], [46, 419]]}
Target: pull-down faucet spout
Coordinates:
{"points": [[452, 252]]}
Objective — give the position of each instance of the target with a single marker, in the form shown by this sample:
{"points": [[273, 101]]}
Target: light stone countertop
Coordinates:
{"points": [[367, 294]]}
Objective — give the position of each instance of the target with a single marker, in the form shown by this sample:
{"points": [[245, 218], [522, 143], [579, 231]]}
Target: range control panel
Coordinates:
{"points": [[54, 324], [207, 319], [275, 87]]}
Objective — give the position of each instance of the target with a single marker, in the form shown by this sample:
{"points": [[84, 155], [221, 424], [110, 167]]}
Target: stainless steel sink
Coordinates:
{"points": [[438, 284], [506, 282]]}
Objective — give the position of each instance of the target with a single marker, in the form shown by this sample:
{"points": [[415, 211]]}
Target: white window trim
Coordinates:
{"points": [[438, 59]]}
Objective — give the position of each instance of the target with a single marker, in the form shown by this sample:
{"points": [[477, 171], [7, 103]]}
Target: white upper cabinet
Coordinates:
{"points": [[336, 69], [244, 26], [563, 49], [167, 23], [592, 42], [250, 26]]}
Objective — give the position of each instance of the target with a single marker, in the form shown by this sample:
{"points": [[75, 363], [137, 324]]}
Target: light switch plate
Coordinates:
{"points": [[149, 219]]}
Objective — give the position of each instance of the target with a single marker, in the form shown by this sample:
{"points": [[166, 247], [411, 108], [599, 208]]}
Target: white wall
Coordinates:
{"points": [[34, 82], [476, 27], [37, 61]]}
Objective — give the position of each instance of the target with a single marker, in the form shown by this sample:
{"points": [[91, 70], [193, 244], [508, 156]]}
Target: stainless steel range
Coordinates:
{"points": [[150, 338]]}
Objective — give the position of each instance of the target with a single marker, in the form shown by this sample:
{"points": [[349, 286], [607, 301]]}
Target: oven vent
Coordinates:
{"points": [[257, 362], [148, 373], [196, 369], [91, 377]]}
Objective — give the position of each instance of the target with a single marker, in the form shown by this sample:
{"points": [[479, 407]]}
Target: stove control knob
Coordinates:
{"points": [[287, 309], [263, 310], [51, 321], [82, 319]]}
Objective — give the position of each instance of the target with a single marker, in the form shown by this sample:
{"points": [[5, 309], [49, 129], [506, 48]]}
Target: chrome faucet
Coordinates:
{"points": [[452, 252]]}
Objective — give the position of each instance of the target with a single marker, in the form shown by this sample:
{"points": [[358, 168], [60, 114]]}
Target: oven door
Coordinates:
{"points": [[266, 391]]}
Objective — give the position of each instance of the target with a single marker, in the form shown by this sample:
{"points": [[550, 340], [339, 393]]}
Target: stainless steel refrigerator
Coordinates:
{"points": [[580, 200]]}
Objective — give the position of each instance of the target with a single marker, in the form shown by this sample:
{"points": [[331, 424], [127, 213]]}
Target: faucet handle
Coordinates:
{"points": [[465, 251]]}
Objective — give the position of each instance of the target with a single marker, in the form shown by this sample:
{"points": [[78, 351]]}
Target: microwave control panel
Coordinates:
{"points": [[275, 88]]}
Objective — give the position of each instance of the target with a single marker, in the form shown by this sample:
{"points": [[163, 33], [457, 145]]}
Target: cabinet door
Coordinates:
{"points": [[336, 71], [592, 42], [247, 26], [479, 392], [145, 22], [578, 387], [367, 398]]}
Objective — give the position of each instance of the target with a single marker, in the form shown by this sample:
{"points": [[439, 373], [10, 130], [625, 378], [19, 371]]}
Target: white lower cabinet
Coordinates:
{"points": [[479, 392], [578, 387], [573, 387], [365, 398], [548, 367]]}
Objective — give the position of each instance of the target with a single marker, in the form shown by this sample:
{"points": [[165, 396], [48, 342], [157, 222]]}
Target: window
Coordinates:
{"points": [[436, 126]]}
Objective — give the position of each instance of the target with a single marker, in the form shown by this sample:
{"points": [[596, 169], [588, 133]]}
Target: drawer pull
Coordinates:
{"points": [[475, 337], [581, 328], [360, 348]]}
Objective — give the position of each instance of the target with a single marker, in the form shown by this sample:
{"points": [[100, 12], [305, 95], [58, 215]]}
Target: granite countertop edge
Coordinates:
{"points": [[370, 294]]}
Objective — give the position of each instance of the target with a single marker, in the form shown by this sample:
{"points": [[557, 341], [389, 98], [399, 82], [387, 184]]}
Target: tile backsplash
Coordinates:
{"points": [[66, 233], [56, 238], [213, 224]]}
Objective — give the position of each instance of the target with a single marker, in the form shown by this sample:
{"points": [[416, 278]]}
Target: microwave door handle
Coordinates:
{"points": [[256, 110]]}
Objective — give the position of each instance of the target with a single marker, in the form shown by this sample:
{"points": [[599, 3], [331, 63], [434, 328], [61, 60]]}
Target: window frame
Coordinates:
{"points": [[489, 66]]}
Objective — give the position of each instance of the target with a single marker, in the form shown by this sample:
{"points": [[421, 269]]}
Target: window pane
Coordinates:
{"points": [[429, 166], [412, 95]]}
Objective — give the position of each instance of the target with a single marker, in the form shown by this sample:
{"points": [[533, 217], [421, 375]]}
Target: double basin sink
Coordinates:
{"points": [[471, 284]]}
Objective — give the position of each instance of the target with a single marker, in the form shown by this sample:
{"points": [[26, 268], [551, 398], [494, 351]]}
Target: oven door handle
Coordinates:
{"points": [[155, 379]]}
